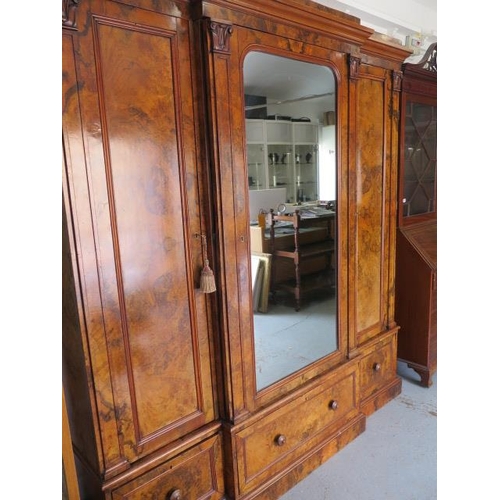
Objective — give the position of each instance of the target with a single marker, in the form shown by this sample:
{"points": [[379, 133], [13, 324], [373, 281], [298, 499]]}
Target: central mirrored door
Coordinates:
{"points": [[290, 121]]}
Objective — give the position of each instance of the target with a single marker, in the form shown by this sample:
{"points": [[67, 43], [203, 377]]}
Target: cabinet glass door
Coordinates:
{"points": [[420, 152]]}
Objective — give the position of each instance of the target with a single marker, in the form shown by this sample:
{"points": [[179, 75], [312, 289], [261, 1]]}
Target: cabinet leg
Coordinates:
{"points": [[424, 373]]}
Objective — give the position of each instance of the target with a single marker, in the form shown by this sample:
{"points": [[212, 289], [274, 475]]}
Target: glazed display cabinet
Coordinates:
{"points": [[416, 256]]}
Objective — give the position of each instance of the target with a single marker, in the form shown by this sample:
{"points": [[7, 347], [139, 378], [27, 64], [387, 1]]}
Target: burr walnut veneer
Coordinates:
{"points": [[159, 377]]}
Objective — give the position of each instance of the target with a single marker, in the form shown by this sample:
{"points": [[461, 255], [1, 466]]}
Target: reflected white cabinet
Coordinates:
{"points": [[283, 154]]}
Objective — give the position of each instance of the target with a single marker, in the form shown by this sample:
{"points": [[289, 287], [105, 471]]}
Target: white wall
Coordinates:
{"points": [[396, 18], [313, 109]]}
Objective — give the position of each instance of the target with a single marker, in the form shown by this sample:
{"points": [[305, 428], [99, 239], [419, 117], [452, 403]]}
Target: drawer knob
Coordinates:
{"points": [[377, 367], [175, 495], [333, 405], [280, 440]]}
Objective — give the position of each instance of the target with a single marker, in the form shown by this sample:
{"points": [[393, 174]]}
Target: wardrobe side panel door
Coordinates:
{"points": [[73, 346], [371, 229], [144, 199]]}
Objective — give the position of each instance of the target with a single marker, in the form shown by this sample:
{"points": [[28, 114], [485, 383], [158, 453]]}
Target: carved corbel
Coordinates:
{"points": [[69, 13], [397, 78], [221, 33], [354, 63]]}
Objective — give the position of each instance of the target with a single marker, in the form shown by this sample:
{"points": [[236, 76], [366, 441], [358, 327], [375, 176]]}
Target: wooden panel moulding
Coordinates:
{"points": [[392, 190], [383, 55], [315, 21], [135, 116], [174, 8], [370, 165]]}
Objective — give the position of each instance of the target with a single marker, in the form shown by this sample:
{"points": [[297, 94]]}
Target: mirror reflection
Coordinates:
{"points": [[291, 163]]}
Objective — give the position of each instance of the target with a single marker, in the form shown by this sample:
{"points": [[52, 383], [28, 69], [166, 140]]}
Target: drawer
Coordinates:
{"points": [[195, 474], [271, 444], [378, 367]]}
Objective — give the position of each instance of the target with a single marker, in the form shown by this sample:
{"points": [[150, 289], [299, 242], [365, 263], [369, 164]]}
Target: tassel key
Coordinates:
{"points": [[207, 278]]}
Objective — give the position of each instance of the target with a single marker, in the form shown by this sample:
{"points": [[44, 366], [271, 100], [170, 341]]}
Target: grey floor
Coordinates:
{"points": [[394, 459], [286, 340]]}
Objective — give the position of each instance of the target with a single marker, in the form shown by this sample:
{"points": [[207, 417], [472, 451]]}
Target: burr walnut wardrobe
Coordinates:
{"points": [[160, 378]]}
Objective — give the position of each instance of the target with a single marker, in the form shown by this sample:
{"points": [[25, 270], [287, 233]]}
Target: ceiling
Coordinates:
{"points": [[430, 4], [397, 19], [279, 78]]}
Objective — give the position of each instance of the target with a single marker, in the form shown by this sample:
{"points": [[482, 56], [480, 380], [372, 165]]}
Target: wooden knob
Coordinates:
{"points": [[280, 440], [333, 405], [377, 367], [175, 495]]}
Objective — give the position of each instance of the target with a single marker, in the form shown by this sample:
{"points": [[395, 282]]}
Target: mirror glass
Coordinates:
{"points": [[290, 123]]}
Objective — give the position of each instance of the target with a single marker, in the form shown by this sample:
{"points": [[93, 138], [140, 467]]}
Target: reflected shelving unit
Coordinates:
{"points": [[256, 156], [305, 137], [279, 143], [283, 154]]}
